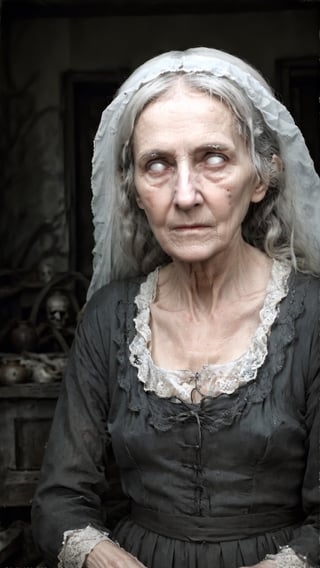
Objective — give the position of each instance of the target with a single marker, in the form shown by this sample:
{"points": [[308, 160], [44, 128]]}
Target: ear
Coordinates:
{"points": [[261, 188], [276, 164], [259, 191], [139, 202]]}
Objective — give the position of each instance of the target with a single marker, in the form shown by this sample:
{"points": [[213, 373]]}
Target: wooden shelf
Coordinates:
{"points": [[19, 488], [30, 390], [26, 412]]}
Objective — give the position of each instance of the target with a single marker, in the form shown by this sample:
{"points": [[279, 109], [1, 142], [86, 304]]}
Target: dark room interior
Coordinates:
{"points": [[61, 63]]}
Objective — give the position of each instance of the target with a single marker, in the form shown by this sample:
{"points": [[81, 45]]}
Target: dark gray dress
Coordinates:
{"points": [[212, 485]]}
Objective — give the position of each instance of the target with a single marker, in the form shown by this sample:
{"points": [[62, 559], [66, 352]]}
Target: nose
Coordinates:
{"points": [[186, 194]]}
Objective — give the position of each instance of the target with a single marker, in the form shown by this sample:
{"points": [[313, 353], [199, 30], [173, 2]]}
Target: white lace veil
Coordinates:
{"points": [[301, 179]]}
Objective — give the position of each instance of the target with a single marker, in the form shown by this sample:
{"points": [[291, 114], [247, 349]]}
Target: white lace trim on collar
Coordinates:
{"points": [[210, 380]]}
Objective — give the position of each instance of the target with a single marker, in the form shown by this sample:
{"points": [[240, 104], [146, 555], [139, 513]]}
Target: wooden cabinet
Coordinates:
{"points": [[26, 412]]}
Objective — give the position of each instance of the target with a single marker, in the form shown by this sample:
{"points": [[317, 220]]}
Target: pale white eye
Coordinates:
{"points": [[215, 160], [156, 167]]}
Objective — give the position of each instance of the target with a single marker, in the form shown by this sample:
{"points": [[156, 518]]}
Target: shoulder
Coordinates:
{"points": [[302, 303], [307, 286], [100, 315], [109, 296]]}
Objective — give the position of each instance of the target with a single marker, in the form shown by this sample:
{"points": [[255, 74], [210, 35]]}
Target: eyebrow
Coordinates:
{"points": [[215, 147], [154, 154]]}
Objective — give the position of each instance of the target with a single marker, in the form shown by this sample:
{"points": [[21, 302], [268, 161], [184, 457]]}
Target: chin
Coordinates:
{"points": [[191, 257]]}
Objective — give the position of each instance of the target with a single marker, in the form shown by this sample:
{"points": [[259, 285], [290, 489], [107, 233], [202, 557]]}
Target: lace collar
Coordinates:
{"points": [[210, 380]]}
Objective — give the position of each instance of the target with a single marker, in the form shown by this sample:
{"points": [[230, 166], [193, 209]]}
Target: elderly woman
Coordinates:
{"points": [[187, 430]]}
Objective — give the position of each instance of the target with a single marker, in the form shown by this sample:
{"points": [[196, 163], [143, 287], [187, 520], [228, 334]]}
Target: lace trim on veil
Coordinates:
{"points": [[212, 380]]}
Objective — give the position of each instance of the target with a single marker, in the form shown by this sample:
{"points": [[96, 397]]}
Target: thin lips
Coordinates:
{"points": [[193, 226]]}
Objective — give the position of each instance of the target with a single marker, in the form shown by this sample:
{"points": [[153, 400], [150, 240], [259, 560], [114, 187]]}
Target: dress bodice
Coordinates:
{"points": [[211, 380]]}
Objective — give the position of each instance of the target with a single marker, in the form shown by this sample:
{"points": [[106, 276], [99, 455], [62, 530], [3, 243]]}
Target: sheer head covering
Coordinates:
{"points": [[302, 182]]}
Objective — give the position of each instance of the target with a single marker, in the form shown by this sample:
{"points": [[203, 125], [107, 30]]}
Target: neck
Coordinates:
{"points": [[200, 287]]}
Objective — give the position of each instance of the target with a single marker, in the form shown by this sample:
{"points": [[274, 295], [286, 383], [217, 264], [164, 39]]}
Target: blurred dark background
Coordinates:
{"points": [[62, 60]]}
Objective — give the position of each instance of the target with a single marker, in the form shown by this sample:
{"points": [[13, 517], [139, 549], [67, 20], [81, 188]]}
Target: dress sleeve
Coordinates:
{"points": [[79, 483], [287, 558], [77, 545], [306, 538]]}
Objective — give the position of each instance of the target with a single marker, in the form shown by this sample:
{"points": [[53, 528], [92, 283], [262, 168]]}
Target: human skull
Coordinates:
{"points": [[46, 270], [57, 308]]}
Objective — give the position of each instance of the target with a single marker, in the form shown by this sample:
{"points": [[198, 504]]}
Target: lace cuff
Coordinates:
{"points": [[77, 544], [287, 558]]}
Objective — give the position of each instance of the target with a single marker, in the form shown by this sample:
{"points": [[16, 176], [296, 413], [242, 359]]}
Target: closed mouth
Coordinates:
{"points": [[189, 227]]}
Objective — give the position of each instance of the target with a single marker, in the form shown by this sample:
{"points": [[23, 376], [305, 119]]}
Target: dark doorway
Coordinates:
{"points": [[86, 95]]}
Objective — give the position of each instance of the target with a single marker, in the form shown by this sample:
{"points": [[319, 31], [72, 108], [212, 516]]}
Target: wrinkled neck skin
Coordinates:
{"points": [[202, 287]]}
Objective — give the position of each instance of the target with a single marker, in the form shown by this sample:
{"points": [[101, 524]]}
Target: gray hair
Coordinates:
{"points": [[269, 225]]}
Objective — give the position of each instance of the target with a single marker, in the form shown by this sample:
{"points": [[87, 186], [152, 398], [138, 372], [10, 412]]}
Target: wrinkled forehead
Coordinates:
{"points": [[178, 97], [183, 100]]}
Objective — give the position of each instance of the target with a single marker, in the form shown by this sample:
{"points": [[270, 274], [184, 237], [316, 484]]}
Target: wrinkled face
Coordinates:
{"points": [[57, 307], [193, 174]]}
